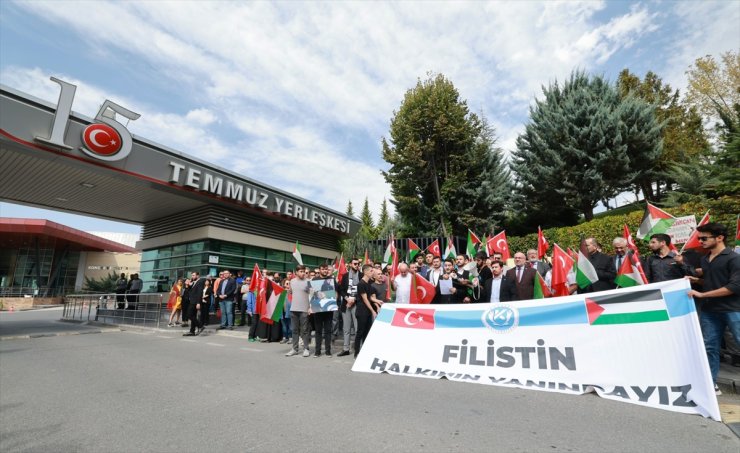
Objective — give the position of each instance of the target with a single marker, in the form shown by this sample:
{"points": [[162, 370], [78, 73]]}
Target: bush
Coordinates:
{"points": [[605, 228]]}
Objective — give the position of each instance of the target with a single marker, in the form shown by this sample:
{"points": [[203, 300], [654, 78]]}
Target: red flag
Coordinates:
{"points": [[693, 242], [367, 258], [413, 296], [423, 290], [341, 268], [628, 236], [542, 245], [414, 318], [261, 300], [434, 248], [256, 277], [499, 244], [392, 273], [572, 254], [413, 250], [561, 265]]}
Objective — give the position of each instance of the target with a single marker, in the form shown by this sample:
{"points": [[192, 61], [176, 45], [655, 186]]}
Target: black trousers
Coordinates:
{"points": [[322, 322], [364, 322], [194, 317], [204, 314]]}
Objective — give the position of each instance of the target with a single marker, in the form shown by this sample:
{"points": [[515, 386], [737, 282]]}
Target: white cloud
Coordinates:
{"points": [[287, 76]]}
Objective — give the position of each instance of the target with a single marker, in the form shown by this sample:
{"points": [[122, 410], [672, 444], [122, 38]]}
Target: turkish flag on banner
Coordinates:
{"points": [[414, 318]]}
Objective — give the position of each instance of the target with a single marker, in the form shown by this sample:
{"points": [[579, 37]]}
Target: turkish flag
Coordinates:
{"points": [[414, 318], [423, 290], [542, 245], [561, 265], [256, 279], [498, 244], [434, 248]]}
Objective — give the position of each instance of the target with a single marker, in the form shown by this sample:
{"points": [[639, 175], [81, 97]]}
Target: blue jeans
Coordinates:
{"points": [[287, 332], [713, 326], [227, 315]]}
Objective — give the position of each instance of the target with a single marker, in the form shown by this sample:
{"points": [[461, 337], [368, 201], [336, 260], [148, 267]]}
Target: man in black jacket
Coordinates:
{"points": [[604, 266], [225, 297], [195, 296]]}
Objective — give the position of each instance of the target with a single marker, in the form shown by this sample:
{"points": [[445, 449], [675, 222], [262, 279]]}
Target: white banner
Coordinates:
{"points": [[640, 345], [681, 229]]}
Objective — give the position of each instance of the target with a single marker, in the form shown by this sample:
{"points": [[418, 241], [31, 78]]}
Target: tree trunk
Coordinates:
{"points": [[437, 194], [588, 213]]}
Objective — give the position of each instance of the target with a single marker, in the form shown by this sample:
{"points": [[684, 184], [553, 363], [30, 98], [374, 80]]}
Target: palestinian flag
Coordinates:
{"points": [[628, 237], [434, 248], [693, 242], [628, 274], [413, 250], [473, 240], [275, 304], [297, 253], [654, 221], [541, 290], [627, 308], [585, 271], [450, 251], [389, 251]]}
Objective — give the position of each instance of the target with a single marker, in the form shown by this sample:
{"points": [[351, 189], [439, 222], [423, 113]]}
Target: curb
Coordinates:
{"points": [[55, 334]]}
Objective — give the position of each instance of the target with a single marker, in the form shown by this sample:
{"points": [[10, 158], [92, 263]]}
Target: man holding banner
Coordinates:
{"points": [[720, 271]]}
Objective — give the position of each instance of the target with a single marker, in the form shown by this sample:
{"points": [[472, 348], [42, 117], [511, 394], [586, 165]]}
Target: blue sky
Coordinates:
{"points": [[283, 92]]}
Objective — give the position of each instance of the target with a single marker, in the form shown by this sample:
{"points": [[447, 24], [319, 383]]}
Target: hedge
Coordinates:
{"points": [[723, 210]]}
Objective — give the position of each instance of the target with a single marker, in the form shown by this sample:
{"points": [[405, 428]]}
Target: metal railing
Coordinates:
{"points": [[32, 291], [131, 309]]}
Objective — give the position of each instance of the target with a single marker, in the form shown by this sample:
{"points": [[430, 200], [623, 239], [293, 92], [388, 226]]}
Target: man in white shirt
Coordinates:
{"points": [[494, 284], [402, 284]]}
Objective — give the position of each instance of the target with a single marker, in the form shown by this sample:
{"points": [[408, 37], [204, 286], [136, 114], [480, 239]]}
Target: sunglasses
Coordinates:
{"points": [[704, 238]]}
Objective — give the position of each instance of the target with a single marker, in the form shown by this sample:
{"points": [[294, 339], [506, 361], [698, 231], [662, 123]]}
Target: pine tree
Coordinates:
{"points": [[350, 209], [368, 226], [572, 153]]}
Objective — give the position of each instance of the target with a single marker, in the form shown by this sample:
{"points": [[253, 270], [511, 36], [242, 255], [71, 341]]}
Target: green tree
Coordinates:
{"points": [[714, 88], [368, 225], [572, 153], [350, 210], [105, 284], [683, 135], [446, 174], [383, 218]]}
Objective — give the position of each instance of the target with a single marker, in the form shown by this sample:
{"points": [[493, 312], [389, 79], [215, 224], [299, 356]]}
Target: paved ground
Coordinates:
{"points": [[158, 391]]}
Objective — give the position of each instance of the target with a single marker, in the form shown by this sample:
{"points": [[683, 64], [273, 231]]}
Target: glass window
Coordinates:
{"points": [[177, 262], [147, 255], [147, 265], [196, 260], [254, 252], [179, 250], [165, 252], [196, 247], [232, 248], [275, 255], [161, 264]]}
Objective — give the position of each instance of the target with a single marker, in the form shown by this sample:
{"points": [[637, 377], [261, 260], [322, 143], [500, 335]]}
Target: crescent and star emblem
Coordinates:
{"points": [[407, 318]]}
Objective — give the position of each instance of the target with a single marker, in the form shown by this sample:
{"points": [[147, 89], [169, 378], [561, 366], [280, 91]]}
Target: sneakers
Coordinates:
{"points": [[252, 340], [305, 353], [317, 355], [184, 324], [328, 354], [293, 352], [717, 391], [343, 353], [170, 325], [189, 334]]}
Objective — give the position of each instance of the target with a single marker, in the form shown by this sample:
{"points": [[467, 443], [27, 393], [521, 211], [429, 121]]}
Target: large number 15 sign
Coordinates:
{"points": [[106, 139]]}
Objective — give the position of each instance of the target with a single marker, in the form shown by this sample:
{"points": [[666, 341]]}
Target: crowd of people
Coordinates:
{"points": [[127, 291], [714, 272]]}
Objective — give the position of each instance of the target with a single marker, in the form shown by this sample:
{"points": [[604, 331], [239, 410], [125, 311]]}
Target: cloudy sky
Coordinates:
{"points": [[280, 91]]}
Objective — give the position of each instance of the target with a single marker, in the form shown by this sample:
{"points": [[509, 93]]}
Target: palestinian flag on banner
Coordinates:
{"points": [[627, 308], [413, 250], [434, 248], [473, 241], [628, 274], [542, 245], [423, 291], [585, 271], [274, 306], [297, 253], [541, 290], [450, 251], [654, 221], [693, 242]]}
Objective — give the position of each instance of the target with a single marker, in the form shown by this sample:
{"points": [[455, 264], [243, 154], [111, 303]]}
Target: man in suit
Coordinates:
{"points": [[225, 297], [195, 295], [540, 265], [522, 277], [497, 287], [604, 265]]}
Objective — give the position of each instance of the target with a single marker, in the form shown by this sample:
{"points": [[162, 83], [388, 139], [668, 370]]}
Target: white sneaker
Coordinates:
{"points": [[292, 352], [717, 391], [305, 353]]}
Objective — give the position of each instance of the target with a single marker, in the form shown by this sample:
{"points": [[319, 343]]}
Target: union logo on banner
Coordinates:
{"points": [[501, 318]]}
